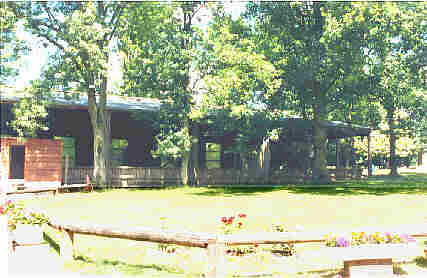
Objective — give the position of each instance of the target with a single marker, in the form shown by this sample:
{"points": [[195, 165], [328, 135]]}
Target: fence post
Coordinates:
{"points": [[67, 165], [67, 245], [216, 258]]}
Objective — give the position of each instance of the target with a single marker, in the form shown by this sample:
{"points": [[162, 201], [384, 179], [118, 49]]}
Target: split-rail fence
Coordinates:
{"points": [[214, 244]]}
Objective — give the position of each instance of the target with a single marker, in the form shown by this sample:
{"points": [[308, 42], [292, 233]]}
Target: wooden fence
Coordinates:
{"points": [[215, 246], [152, 177]]}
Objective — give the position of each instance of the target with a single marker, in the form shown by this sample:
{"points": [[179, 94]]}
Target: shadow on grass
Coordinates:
{"points": [[51, 242], [352, 191], [421, 262], [142, 188], [327, 273], [336, 189], [238, 191], [129, 269], [398, 270], [409, 183]]}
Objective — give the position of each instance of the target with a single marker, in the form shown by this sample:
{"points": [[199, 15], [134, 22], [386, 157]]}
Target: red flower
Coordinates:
{"points": [[240, 224], [224, 219], [242, 215], [230, 220], [256, 244]]}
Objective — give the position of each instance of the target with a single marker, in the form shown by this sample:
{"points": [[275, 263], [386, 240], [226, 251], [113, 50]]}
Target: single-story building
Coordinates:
{"points": [[134, 139]]}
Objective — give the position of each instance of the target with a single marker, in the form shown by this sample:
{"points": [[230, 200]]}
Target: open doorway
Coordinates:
{"points": [[17, 162]]}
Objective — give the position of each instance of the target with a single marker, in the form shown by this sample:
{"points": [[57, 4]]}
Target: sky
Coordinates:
{"points": [[32, 64]]}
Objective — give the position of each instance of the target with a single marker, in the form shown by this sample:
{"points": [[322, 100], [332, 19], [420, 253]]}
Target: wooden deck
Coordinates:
{"points": [[71, 187], [54, 190], [33, 190]]}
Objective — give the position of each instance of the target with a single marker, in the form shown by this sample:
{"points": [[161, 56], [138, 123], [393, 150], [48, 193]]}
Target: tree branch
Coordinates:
{"points": [[36, 22], [50, 40], [116, 17], [51, 17]]}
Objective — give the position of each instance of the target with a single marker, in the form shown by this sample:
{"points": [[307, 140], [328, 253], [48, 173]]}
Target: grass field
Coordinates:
{"points": [[377, 202]]}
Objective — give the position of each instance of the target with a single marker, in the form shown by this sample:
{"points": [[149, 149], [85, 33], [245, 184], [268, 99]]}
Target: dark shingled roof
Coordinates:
{"points": [[336, 129], [79, 100]]}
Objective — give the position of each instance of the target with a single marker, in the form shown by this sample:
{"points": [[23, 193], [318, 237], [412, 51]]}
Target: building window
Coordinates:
{"points": [[118, 152], [213, 155]]}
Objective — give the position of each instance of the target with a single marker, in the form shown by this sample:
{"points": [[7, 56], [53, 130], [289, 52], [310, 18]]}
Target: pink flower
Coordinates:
{"points": [[404, 237], [342, 242]]}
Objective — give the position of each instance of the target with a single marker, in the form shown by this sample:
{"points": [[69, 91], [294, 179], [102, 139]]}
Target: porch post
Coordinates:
{"points": [[109, 145], [369, 156], [337, 153], [67, 165]]}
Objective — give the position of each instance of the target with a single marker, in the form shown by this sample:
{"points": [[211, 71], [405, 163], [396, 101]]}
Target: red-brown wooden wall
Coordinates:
{"points": [[42, 159]]}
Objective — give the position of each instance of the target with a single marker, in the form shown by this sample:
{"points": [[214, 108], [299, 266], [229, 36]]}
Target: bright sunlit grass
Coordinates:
{"points": [[200, 209]]}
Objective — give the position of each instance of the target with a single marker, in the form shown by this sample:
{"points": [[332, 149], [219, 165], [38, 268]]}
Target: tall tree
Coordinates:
{"points": [[159, 62], [81, 33], [399, 32], [235, 77], [316, 46]]}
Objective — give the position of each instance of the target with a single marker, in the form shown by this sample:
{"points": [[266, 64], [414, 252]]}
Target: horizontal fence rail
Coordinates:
{"points": [[188, 239], [214, 244]]}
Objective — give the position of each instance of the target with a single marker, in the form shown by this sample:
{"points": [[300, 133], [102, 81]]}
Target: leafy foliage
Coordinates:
{"points": [[159, 47], [11, 46], [30, 113]]}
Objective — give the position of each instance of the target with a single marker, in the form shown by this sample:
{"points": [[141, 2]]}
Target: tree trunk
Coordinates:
{"points": [[195, 156], [100, 119], [190, 160], [184, 168], [320, 173], [393, 160], [264, 160]]}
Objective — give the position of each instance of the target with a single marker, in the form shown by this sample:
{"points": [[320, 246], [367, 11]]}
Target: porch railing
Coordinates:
{"points": [[141, 176]]}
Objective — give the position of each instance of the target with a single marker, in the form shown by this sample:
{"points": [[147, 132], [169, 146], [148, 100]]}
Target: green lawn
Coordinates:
{"points": [[200, 209]]}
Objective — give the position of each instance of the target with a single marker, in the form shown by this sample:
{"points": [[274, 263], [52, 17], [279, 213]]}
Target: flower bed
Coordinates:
{"points": [[361, 245], [360, 238], [24, 225], [18, 214], [236, 224]]}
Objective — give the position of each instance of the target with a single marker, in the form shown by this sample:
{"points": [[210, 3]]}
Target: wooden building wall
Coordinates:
{"points": [[42, 162]]}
